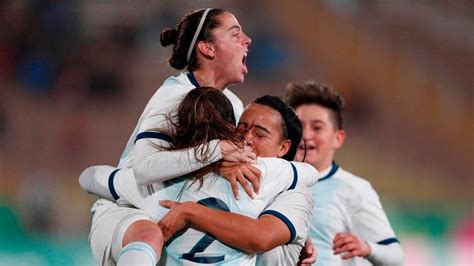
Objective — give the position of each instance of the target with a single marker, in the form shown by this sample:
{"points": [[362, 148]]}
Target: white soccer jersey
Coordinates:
{"points": [[277, 175], [294, 208], [346, 203], [150, 165]]}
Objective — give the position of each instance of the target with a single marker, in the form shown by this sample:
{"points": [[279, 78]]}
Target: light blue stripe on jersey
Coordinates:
{"points": [[287, 221], [388, 241], [153, 135], [295, 177], [141, 246], [111, 185]]}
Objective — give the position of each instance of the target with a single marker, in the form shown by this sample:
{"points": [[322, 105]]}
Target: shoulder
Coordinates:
{"points": [[232, 96], [173, 88], [361, 189], [351, 180]]}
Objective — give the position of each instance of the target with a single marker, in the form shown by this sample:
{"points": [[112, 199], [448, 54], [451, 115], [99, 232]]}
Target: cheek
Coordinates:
{"points": [[299, 155]]}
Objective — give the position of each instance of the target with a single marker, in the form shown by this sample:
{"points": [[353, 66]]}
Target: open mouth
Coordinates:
{"points": [[307, 147], [244, 60]]}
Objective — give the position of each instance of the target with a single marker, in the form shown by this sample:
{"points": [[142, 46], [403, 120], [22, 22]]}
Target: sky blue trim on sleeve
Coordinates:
{"points": [[295, 177], [153, 135], [334, 169], [193, 80], [141, 246], [111, 185], [388, 241], [283, 218]]}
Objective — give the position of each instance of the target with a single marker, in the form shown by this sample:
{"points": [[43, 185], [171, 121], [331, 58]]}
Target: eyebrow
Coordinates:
{"points": [[234, 27], [263, 128]]}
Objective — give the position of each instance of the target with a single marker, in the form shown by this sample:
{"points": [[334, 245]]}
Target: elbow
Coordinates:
{"points": [[85, 179], [260, 244]]}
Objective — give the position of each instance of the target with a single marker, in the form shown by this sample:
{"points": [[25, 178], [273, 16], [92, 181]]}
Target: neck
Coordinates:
{"points": [[209, 78], [324, 166]]}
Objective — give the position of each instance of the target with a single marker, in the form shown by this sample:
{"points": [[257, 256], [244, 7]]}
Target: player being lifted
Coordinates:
{"points": [[205, 113]]}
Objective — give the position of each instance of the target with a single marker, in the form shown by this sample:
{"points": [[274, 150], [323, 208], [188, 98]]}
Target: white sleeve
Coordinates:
{"points": [[94, 180], [294, 208], [279, 175], [118, 185], [307, 175], [370, 223], [152, 165], [390, 254]]}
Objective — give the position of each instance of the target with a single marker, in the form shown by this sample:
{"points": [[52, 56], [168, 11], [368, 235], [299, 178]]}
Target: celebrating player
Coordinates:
{"points": [[205, 114], [211, 48], [348, 218]]}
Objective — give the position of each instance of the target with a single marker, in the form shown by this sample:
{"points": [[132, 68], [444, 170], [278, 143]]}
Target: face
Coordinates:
{"points": [[261, 127], [321, 137], [230, 46]]}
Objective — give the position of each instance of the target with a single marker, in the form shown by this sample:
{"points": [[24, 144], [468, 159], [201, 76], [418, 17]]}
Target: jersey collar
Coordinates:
{"points": [[192, 79], [333, 170]]}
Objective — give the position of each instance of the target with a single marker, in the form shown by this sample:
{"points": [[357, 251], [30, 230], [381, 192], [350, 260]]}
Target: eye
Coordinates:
{"points": [[316, 128], [260, 133]]}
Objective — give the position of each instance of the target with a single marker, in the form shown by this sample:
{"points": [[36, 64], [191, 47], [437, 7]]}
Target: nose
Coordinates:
{"points": [[247, 40], [248, 138], [307, 133]]}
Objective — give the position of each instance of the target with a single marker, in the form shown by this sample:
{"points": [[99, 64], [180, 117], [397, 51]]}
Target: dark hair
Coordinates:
{"points": [[182, 36], [291, 125], [203, 115], [319, 94]]}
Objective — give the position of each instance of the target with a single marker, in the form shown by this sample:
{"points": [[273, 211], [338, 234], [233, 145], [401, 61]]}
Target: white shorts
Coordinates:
{"points": [[109, 224]]}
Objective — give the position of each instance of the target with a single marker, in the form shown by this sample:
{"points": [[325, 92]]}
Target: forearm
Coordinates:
{"points": [[156, 166], [237, 230], [391, 254]]}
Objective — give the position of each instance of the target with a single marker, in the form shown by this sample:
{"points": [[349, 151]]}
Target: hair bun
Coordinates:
{"points": [[168, 36]]}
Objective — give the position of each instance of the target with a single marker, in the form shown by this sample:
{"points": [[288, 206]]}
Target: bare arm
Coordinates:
{"points": [[253, 234]]}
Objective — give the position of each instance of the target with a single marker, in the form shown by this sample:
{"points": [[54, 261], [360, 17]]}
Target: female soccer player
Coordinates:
{"points": [[348, 222], [206, 114], [211, 49]]}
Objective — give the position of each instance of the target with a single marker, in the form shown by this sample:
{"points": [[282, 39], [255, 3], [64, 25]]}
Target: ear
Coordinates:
{"points": [[206, 49], [285, 147], [339, 139]]}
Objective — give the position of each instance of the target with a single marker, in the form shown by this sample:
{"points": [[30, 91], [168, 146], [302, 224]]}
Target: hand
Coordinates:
{"points": [[175, 219], [247, 175], [351, 244], [308, 254], [233, 153]]}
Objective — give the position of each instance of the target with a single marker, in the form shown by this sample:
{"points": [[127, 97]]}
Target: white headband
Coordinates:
{"points": [[196, 34]]}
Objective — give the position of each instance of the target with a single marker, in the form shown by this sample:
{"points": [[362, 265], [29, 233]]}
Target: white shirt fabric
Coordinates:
{"points": [[294, 208], [277, 175], [150, 165], [344, 202]]}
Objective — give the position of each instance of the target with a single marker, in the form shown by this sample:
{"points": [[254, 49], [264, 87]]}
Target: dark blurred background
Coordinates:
{"points": [[76, 75]]}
